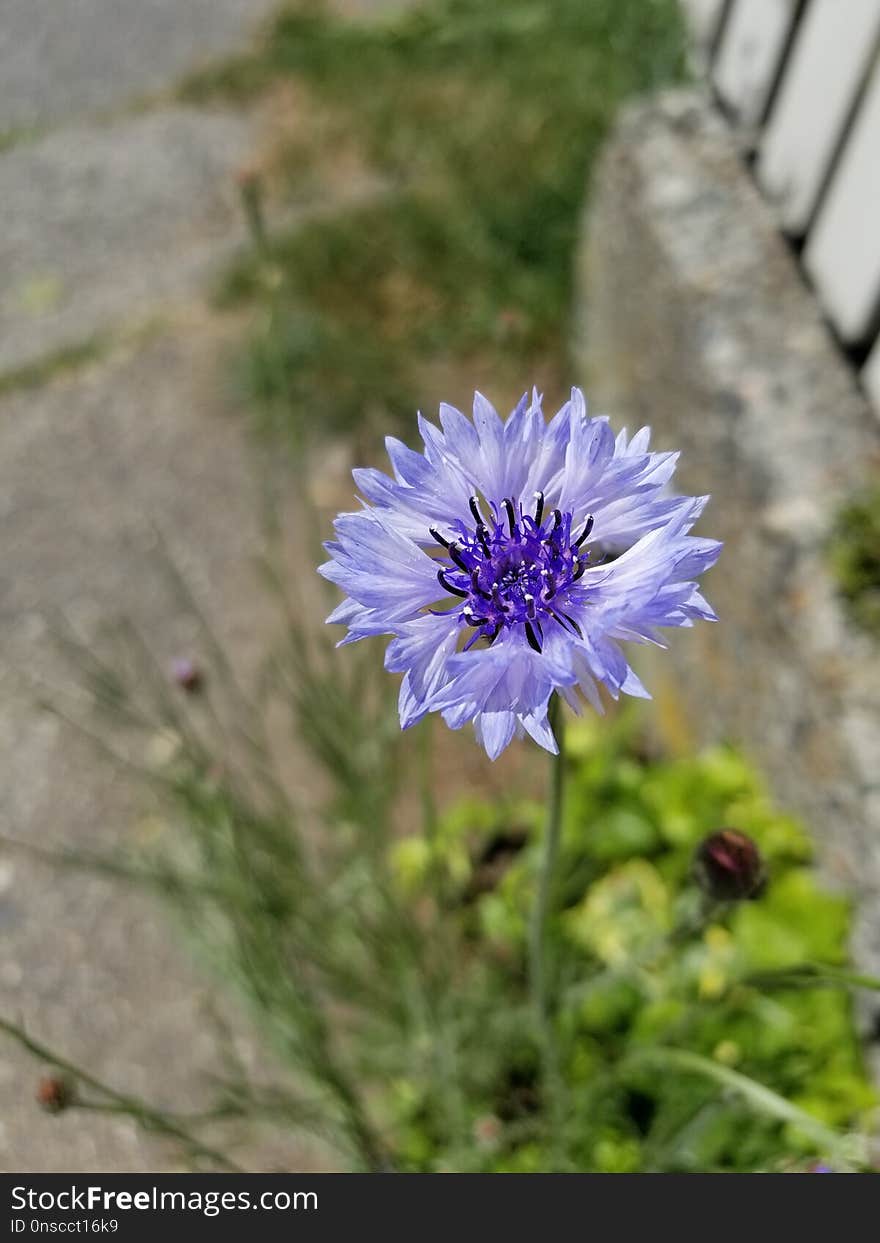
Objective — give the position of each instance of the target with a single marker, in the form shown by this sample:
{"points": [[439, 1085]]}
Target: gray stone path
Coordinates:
{"points": [[108, 222], [106, 225], [80, 57], [96, 970]]}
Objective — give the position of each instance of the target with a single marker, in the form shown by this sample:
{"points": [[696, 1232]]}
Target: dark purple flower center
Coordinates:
{"points": [[514, 569]]}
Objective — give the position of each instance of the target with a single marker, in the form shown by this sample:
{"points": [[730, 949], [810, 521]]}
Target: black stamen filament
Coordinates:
{"points": [[451, 587], [588, 526], [511, 582], [475, 586], [564, 617], [455, 554], [435, 534], [534, 642]]}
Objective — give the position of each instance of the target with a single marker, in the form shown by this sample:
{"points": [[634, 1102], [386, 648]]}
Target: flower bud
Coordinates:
{"points": [[187, 675], [54, 1093], [729, 867], [487, 1131]]}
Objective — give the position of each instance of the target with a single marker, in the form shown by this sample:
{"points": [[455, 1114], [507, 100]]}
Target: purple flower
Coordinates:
{"points": [[486, 558]]}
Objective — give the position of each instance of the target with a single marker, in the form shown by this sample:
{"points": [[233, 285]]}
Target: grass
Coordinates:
{"points": [[485, 119], [855, 558], [382, 956], [16, 135], [69, 359], [40, 372], [377, 934]]}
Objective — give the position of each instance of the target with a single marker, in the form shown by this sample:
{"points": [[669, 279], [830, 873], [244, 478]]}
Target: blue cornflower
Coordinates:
{"points": [[508, 559]]}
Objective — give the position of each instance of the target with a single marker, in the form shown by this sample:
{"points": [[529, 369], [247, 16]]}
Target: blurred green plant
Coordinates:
{"points": [[380, 941], [482, 119], [650, 975], [855, 557], [381, 944]]}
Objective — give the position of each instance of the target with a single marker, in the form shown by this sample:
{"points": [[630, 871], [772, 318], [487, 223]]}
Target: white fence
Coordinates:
{"points": [[802, 77]]}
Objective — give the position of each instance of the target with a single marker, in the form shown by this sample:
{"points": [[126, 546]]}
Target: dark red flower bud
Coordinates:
{"points": [[54, 1093], [729, 867], [247, 176], [187, 675]]}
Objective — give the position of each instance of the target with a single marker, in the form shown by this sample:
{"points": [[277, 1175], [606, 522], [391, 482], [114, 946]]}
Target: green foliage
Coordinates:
{"points": [[645, 966], [381, 947], [483, 118], [382, 951], [855, 557]]}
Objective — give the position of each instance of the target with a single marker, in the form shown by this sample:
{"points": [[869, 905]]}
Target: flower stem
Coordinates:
{"points": [[814, 975], [538, 949], [758, 1095], [150, 1119], [426, 784]]}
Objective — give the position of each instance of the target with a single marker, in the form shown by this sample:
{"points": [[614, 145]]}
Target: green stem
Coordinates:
{"points": [[813, 975], [426, 784], [439, 997], [762, 1098], [312, 1037], [365, 1138], [149, 1118], [538, 949]]}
